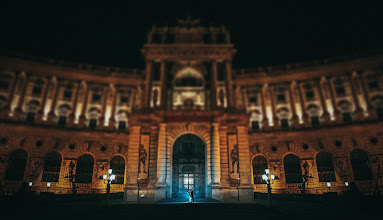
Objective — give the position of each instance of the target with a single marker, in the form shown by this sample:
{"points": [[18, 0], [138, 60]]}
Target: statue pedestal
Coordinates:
{"points": [[216, 191], [131, 194], [160, 191]]}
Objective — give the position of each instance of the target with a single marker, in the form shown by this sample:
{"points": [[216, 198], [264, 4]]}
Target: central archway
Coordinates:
{"points": [[189, 166]]}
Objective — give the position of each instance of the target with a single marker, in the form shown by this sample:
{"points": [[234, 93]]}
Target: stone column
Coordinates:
{"points": [[265, 120], [40, 112], [292, 104], [244, 98], [216, 163], [213, 86], [302, 97], [370, 108], [336, 111], [160, 192], [322, 97], [11, 93], [55, 94], [112, 119], [163, 85], [131, 187], [132, 98], [84, 105], [18, 109], [353, 87], [147, 83], [72, 115], [246, 189], [103, 107], [274, 108], [229, 84]]}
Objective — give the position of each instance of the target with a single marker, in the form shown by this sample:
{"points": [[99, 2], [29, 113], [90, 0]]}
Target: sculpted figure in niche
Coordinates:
{"points": [[234, 158], [35, 167], [143, 157]]}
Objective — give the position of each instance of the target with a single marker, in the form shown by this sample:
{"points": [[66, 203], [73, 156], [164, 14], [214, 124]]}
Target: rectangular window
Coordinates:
{"points": [[96, 97], [92, 123], [347, 117], [4, 85], [253, 100], [310, 95], [284, 123], [315, 121], [124, 100], [30, 117], [36, 91], [340, 91], [121, 125], [220, 71], [379, 113], [281, 98], [373, 85], [255, 125], [62, 121], [67, 95]]}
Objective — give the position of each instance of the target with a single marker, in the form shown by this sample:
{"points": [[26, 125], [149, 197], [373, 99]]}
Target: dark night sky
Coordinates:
{"points": [[263, 33]]}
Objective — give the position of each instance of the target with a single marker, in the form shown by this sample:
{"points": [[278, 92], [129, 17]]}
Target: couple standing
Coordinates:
{"points": [[191, 196]]}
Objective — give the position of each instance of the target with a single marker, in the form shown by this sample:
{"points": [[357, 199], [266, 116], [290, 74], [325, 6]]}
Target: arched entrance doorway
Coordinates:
{"points": [[189, 166]]}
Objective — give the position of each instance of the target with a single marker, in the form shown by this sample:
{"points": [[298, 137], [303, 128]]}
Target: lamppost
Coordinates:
{"points": [[346, 183], [238, 184], [266, 177], [109, 179], [329, 185], [138, 190]]}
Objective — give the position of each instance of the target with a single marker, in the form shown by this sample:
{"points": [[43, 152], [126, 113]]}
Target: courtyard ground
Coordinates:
{"points": [[202, 209]]}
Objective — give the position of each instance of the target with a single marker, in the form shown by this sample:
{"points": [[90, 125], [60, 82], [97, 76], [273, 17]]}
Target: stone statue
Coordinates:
{"points": [[35, 168], [143, 157], [234, 158]]}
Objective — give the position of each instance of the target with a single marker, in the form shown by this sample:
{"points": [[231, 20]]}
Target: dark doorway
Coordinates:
{"points": [[188, 167]]}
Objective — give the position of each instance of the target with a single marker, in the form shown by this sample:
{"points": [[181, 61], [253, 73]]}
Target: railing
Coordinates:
{"points": [[12, 185], [293, 185]]}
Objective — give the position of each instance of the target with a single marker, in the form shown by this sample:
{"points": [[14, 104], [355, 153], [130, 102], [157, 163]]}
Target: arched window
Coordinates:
{"points": [[117, 164], [360, 165], [325, 167], [293, 171], [259, 166], [52, 165], [16, 165], [84, 170]]}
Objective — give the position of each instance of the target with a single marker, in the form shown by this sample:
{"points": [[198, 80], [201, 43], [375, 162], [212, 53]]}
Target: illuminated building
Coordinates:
{"points": [[189, 120]]}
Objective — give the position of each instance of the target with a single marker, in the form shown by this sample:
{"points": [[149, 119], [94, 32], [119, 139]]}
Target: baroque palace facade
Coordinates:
{"points": [[191, 121]]}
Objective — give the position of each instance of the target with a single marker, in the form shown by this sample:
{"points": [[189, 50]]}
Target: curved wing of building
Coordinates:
{"points": [[189, 121]]}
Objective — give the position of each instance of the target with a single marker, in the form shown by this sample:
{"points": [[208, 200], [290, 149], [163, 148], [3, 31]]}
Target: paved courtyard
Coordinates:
{"points": [[202, 209]]}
